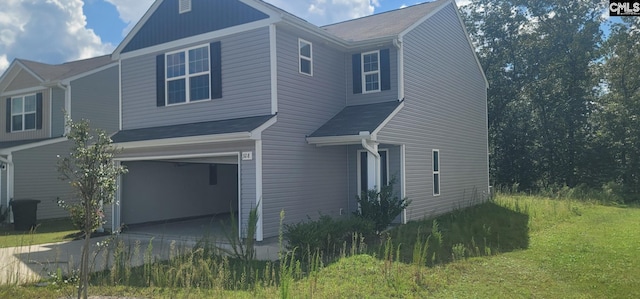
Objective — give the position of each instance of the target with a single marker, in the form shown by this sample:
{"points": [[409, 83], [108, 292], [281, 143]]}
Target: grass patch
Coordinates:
{"points": [[515, 246], [47, 231]]}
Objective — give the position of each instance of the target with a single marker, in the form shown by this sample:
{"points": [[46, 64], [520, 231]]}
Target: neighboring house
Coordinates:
{"points": [[34, 98], [235, 104]]}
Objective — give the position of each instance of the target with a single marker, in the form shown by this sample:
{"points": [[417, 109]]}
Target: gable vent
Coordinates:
{"points": [[185, 6]]}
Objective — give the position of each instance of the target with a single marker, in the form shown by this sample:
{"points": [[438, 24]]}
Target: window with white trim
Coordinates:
{"points": [[188, 75], [436, 171], [23, 113], [305, 53], [371, 71]]}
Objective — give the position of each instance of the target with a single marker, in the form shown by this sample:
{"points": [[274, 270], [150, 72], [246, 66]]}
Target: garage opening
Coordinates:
{"points": [[184, 197]]}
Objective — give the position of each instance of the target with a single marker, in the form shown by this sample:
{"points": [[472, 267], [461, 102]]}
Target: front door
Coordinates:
{"points": [[367, 170]]}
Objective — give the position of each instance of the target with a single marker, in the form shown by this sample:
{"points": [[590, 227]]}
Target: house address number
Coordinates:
{"points": [[247, 156]]}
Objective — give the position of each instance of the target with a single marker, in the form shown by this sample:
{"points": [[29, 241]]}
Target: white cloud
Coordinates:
{"points": [[322, 12], [131, 11], [52, 31]]}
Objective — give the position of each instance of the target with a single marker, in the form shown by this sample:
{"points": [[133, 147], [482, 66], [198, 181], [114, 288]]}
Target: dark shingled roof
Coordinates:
{"points": [[237, 125], [50, 72], [385, 24], [354, 119], [10, 144]]}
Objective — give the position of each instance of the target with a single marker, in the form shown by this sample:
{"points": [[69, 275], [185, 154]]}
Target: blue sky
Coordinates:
{"points": [[57, 31]]}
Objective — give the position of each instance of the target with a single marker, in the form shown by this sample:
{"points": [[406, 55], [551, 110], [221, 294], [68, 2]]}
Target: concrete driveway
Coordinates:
{"points": [[29, 264]]}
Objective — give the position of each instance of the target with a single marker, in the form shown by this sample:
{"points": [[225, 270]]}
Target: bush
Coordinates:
{"points": [[381, 207], [325, 234]]}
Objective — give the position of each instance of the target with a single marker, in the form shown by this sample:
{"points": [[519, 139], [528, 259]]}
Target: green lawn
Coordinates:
{"points": [[47, 231], [540, 248]]}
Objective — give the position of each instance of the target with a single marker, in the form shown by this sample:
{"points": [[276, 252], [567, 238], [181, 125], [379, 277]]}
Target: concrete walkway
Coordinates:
{"points": [[29, 264]]}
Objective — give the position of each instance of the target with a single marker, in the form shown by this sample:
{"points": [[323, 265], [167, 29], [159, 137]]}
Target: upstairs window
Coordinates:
{"points": [[24, 113], [305, 52], [188, 75], [371, 71]]}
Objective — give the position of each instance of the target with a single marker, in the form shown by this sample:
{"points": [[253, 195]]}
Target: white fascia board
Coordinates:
{"points": [[24, 91], [337, 140], [136, 28], [8, 151], [466, 34], [426, 17], [87, 73], [471, 47], [32, 73], [256, 134], [387, 120], [238, 136], [258, 5], [212, 35]]}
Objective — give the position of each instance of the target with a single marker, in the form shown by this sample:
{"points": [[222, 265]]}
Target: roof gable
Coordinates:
{"points": [[387, 24], [163, 23]]}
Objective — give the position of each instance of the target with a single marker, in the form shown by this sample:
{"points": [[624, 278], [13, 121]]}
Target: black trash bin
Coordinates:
{"points": [[24, 213]]}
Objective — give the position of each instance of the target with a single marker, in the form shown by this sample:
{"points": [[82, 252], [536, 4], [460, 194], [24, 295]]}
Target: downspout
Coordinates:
{"points": [[6, 162], [9, 162], [400, 46], [373, 150]]}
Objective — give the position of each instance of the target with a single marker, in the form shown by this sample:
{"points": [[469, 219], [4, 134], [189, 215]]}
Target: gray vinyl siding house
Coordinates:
{"points": [[86, 89], [234, 105]]}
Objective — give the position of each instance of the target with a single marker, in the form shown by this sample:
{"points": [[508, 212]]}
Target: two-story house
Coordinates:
{"points": [[227, 105], [35, 97]]}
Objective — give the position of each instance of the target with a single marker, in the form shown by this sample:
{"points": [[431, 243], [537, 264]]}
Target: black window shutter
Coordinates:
{"points": [[39, 111], [216, 70], [385, 70], [357, 73], [8, 115], [160, 98]]}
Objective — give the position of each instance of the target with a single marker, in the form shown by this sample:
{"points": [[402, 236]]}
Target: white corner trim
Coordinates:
{"points": [[256, 134], [273, 49], [8, 151], [238, 136], [403, 180], [196, 39], [50, 111], [120, 95], [259, 197], [387, 120]]}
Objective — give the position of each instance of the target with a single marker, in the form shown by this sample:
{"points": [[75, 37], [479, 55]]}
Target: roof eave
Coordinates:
{"points": [[228, 137]]}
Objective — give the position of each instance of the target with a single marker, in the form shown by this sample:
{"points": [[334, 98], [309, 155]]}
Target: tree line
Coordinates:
{"points": [[564, 94]]}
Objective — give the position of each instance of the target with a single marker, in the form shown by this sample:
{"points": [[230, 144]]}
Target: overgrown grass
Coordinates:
{"points": [[514, 246], [47, 231]]}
